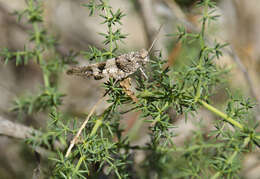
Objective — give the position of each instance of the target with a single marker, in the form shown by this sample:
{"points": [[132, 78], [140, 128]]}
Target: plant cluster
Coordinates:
{"points": [[103, 149]]}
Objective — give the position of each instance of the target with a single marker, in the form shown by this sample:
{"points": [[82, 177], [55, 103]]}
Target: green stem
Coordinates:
{"points": [[224, 116], [232, 157], [199, 67], [197, 147], [216, 175], [202, 40], [221, 114], [40, 57], [198, 91], [96, 126], [204, 20], [44, 72], [110, 41], [205, 17], [203, 49], [37, 33], [46, 79], [110, 35], [78, 164]]}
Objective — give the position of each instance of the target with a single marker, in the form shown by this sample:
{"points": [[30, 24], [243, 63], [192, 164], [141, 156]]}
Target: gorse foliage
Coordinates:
{"points": [[103, 149], [113, 35], [49, 95]]}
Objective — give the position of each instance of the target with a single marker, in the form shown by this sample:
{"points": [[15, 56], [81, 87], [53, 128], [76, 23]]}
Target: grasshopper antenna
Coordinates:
{"points": [[155, 39], [146, 53]]}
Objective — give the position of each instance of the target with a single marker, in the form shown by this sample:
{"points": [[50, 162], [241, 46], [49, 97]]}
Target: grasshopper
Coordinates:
{"points": [[118, 68]]}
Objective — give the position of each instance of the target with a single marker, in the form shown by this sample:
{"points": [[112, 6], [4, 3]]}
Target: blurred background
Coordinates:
{"points": [[238, 25]]}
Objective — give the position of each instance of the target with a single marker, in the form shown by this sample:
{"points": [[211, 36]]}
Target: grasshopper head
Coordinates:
{"points": [[144, 54]]}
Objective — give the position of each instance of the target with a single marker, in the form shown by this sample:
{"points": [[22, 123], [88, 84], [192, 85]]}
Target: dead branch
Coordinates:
{"points": [[19, 131], [75, 139], [11, 129]]}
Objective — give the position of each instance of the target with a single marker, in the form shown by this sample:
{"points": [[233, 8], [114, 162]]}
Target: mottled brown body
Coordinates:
{"points": [[118, 68]]}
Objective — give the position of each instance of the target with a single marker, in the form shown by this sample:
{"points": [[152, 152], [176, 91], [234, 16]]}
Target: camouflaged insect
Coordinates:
{"points": [[118, 68]]}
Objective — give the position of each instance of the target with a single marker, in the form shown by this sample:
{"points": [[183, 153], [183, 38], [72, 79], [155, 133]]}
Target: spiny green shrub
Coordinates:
{"points": [[102, 149]]}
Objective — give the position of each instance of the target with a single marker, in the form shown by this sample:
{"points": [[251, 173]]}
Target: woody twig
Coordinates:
{"points": [[20, 131], [11, 129], [75, 139]]}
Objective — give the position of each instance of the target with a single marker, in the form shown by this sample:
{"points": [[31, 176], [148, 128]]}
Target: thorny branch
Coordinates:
{"points": [[181, 18], [150, 26]]}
